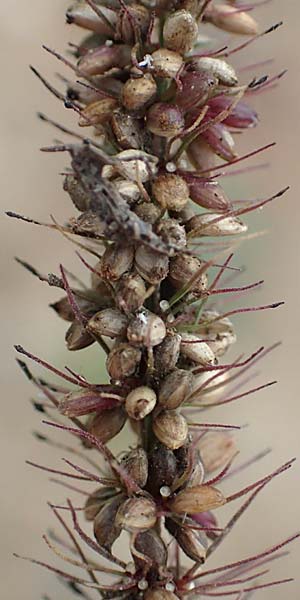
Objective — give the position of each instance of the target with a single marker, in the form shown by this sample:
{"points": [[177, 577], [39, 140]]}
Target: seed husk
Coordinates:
{"points": [[109, 322], [183, 268], [146, 329], [151, 265], [162, 468], [116, 260], [130, 293], [180, 31], [211, 225], [136, 464], [136, 514], [193, 543], [149, 544], [175, 388], [97, 500], [138, 93], [195, 350], [171, 428], [123, 361], [164, 119], [140, 402], [77, 337], [106, 530], [197, 499], [107, 424], [170, 191], [166, 354], [166, 63], [77, 193]]}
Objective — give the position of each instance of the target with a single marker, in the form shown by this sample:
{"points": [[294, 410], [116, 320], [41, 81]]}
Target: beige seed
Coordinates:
{"points": [[180, 31], [146, 329], [197, 499], [171, 428], [136, 514], [175, 388], [195, 350], [170, 191], [140, 402], [138, 92]]}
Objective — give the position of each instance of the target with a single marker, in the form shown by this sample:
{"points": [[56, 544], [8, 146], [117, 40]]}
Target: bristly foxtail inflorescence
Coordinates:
{"points": [[164, 105]]}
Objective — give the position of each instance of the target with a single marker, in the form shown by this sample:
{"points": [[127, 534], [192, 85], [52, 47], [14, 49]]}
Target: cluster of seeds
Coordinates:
{"points": [[163, 114]]}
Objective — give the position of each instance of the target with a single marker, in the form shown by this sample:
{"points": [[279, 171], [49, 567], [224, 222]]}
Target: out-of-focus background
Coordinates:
{"points": [[31, 185]]}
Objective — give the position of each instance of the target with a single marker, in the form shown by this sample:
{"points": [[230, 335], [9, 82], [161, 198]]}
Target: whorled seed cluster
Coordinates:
{"points": [[164, 109]]}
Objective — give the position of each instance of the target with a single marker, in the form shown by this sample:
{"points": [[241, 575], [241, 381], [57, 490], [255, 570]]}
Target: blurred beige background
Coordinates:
{"points": [[31, 184]]}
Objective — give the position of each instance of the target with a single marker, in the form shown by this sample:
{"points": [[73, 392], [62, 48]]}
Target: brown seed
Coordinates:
{"points": [[135, 18], [128, 130], [149, 544], [197, 499], [146, 329], [87, 224], [193, 543], [180, 31], [96, 501], [217, 448], [167, 353], [162, 468], [116, 260], [109, 322], [164, 119], [138, 92], [183, 268], [170, 191], [171, 428], [136, 514], [107, 424], [101, 59], [130, 293], [78, 195], [123, 361], [148, 212], [152, 266], [175, 388], [77, 337], [63, 309], [136, 464], [98, 113], [106, 530], [140, 402], [166, 63]]}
